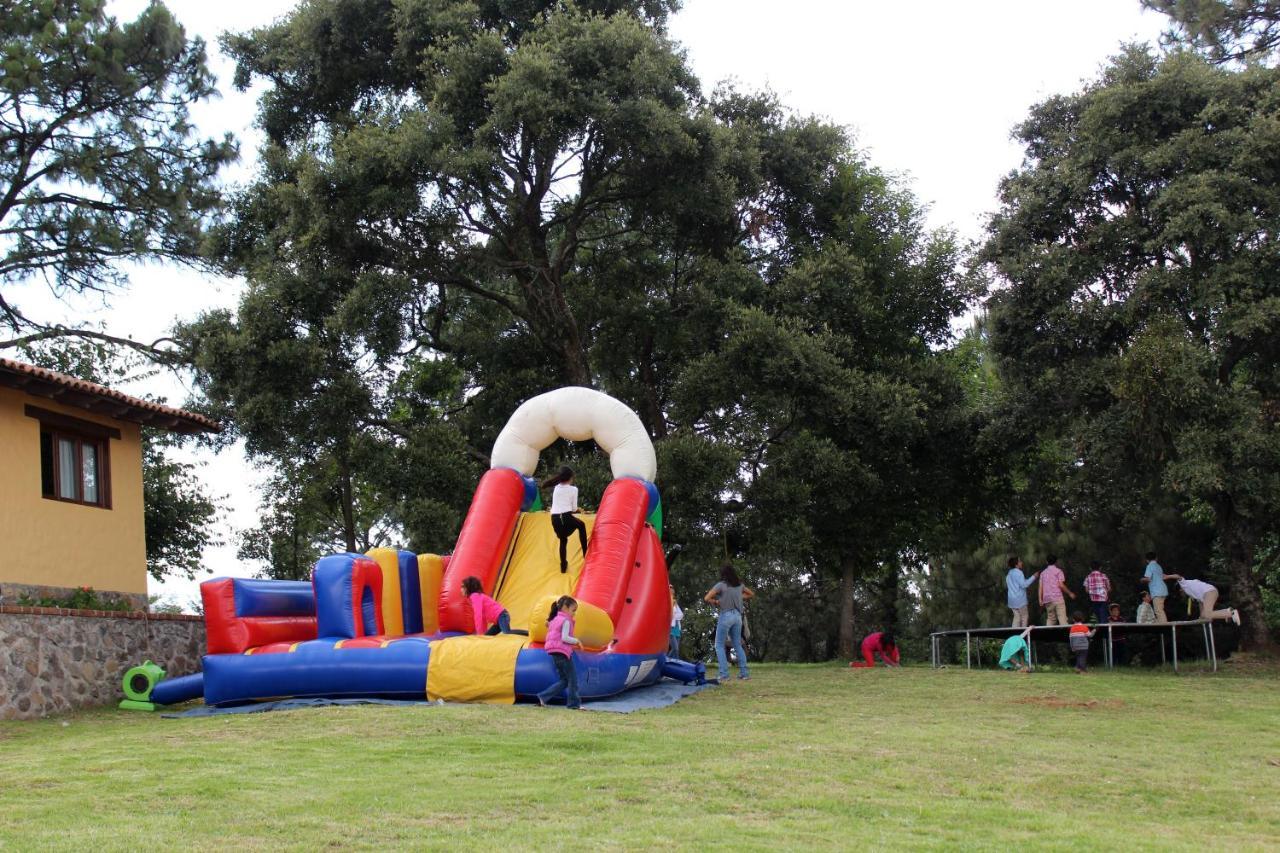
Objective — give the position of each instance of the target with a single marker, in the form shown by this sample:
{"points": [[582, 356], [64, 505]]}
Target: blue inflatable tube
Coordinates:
{"points": [[397, 670], [316, 668], [255, 597], [599, 675], [684, 671], [171, 691]]}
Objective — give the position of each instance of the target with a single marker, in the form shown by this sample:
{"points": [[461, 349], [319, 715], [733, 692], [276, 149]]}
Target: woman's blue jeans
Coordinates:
{"points": [[730, 625]]}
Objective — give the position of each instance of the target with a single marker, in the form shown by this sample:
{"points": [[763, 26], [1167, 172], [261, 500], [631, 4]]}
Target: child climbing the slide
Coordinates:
{"points": [[880, 643], [564, 503], [491, 617], [559, 645], [1079, 639]]}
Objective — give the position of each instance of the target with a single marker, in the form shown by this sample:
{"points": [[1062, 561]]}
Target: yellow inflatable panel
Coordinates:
{"points": [[430, 571], [591, 624], [532, 570], [388, 559], [474, 669]]}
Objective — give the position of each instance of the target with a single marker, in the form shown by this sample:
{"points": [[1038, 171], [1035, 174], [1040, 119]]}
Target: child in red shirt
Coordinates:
{"points": [[1079, 638]]}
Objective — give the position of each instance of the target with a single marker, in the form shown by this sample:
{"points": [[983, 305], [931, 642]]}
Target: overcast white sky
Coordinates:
{"points": [[931, 90]]}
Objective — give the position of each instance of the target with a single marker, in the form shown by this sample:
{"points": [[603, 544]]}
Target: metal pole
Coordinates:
{"points": [[968, 664], [1213, 646], [1031, 647], [1162, 657], [1174, 643], [1110, 661]]}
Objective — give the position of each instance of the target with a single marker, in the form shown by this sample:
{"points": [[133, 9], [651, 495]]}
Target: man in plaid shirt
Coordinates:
{"points": [[1098, 586]]}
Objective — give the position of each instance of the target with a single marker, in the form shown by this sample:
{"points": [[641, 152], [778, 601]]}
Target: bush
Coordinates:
{"points": [[84, 598]]}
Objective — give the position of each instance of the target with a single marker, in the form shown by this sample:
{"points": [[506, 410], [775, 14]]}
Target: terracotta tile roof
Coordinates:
{"points": [[70, 391]]}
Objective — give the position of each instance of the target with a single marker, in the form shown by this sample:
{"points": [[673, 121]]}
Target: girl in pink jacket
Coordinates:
{"points": [[559, 645], [490, 617]]}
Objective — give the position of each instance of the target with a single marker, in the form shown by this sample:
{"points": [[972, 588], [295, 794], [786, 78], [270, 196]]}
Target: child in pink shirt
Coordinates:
{"points": [[490, 617], [559, 646], [880, 643]]}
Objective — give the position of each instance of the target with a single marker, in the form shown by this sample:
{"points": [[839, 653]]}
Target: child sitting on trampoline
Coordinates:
{"points": [[880, 643], [1014, 655]]}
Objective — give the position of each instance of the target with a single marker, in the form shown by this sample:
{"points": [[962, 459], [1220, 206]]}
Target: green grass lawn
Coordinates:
{"points": [[798, 757]]}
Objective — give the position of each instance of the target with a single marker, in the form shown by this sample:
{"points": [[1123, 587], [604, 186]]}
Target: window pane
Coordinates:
{"points": [[66, 468], [89, 469], [46, 464]]}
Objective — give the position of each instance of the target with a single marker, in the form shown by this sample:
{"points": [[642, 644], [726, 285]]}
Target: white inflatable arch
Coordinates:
{"points": [[576, 414]]}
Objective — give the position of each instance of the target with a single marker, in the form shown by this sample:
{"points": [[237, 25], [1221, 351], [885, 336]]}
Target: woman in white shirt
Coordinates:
{"points": [[564, 503]]}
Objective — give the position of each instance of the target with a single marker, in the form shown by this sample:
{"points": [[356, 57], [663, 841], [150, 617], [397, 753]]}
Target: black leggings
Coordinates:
{"points": [[564, 523]]}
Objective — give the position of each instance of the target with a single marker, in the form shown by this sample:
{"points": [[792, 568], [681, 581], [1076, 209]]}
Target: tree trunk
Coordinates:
{"points": [[650, 408], [889, 598], [576, 370], [348, 508], [847, 576], [1239, 548]]}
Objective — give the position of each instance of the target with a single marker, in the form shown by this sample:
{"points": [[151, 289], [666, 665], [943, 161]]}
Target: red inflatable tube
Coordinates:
{"points": [[611, 552], [482, 544], [645, 626], [228, 633]]}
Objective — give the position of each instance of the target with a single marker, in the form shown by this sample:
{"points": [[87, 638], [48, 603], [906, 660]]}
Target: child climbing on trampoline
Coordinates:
{"points": [[1014, 655], [1079, 640], [491, 618], [559, 645], [880, 643], [564, 503]]}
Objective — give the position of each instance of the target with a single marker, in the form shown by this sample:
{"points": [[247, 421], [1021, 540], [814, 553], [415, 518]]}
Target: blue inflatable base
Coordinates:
{"points": [[654, 696]]}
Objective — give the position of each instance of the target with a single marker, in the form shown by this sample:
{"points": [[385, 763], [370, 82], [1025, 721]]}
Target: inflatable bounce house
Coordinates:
{"points": [[396, 625]]}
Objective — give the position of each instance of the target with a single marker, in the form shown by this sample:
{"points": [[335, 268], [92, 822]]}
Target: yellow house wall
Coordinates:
{"points": [[45, 542]]}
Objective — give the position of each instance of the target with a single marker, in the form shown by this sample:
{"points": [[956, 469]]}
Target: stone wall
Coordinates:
{"points": [[54, 660]]}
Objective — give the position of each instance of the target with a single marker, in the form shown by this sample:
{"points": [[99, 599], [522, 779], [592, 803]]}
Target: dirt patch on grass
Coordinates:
{"points": [[1059, 702], [1251, 663]]}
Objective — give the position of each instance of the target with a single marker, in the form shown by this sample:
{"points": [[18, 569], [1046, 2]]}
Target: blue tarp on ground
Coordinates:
{"points": [[658, 695]]}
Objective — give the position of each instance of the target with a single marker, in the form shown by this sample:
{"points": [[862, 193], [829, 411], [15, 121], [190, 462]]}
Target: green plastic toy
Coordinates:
{"points": [[138, 684]]}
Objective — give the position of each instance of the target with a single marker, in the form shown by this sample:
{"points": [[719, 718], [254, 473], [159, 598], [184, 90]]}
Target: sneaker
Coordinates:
{"points": [[1235, 616], [744, 678]]}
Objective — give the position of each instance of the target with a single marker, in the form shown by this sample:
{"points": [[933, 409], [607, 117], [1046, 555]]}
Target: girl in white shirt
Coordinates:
{"points": [[564, 503]]}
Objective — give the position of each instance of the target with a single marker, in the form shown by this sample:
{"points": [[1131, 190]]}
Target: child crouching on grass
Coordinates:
{"points": [[1080, 635]]}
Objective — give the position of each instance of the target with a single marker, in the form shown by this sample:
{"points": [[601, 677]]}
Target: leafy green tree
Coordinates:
{"points": [[490, 144], [292, 533], [180, 516], [1139, 329], [853, 432], [98, 162], [1226, 30], [539, 193]]}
